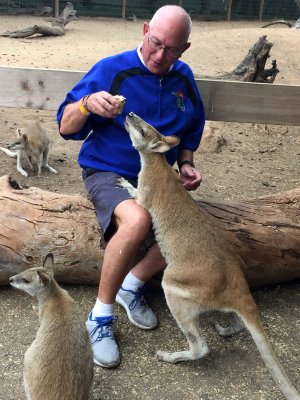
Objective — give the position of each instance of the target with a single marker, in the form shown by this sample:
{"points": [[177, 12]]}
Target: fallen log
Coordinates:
{"points": [[264, 231], [57, 27], [290, 24]]}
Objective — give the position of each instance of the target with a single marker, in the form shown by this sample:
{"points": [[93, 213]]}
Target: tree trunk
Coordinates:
{"points": [[252, 67], [34, 223], [264, 231], [57, 27]]}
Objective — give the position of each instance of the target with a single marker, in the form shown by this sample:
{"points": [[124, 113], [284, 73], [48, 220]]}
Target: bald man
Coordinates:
{"points": [[160, 89]]}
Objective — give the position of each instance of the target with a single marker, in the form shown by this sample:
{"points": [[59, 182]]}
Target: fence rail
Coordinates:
{"points": [[199, 9], [38, 88]]}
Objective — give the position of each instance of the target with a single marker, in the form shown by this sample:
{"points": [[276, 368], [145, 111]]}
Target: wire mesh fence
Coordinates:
{"points": [[198, 9]]}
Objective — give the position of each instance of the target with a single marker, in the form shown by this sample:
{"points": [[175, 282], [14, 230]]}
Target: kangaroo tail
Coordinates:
{"points": [[272, 362]]}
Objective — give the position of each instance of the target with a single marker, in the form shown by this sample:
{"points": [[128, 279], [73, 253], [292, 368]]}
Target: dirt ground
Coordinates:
{"points": [[252, 161]]}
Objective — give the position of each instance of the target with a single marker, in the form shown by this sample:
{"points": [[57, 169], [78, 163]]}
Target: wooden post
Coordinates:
{"points": [[297, 3], [261, 9], [229, 5], [56, 8], [123, 9]]}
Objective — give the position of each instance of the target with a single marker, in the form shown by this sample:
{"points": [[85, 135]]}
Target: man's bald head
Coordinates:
{"points": [[174, 15]]}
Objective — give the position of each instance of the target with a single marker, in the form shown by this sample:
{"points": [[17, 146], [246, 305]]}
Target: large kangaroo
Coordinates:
{"points": [[203, 271]]}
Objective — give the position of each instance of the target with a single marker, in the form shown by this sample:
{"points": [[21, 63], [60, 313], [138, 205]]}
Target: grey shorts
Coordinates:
{"points": [[105, 195]]}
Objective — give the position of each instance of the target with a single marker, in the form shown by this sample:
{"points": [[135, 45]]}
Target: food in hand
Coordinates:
{"points": [[121, 100]]}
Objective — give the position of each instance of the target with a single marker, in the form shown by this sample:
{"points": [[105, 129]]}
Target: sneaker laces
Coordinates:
{"points": [[138, 298], [104, 325]]}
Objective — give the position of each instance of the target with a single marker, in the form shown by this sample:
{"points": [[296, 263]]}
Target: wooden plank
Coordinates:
{"points": [[234, 101], [250, 102], [35, 88]]}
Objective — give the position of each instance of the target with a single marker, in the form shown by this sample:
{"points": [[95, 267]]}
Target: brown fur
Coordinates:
{"points": [[203, 271], [59, 363]]}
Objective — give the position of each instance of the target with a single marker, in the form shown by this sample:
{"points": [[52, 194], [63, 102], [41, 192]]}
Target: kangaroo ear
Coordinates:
{"points": [[48, 262], [44, 277], [165, 145], [172, 140], [160, 147]]}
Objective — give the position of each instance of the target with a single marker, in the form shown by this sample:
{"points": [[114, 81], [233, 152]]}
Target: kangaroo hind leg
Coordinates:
{"points": [[186, 313], [235, 326], [45, 163]]}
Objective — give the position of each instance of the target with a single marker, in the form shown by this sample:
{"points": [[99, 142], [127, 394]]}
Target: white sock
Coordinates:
{"points": [[131, 282], [103, 310]]}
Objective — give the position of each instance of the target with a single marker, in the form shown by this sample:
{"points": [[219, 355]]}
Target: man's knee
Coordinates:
{"points": [[139, 221], [136, 222]]}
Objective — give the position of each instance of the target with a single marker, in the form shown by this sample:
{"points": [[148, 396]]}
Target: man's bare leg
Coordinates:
{"points": [[133, 222], [152, 263]]}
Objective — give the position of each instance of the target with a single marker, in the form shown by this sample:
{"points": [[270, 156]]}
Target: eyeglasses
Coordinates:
{"points": [[156, 45]]}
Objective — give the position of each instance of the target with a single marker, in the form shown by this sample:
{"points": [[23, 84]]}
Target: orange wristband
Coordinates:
{"points": [[84, 111]]}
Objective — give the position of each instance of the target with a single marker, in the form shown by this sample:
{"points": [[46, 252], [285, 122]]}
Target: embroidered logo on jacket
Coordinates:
{"points": [[179, 99]]}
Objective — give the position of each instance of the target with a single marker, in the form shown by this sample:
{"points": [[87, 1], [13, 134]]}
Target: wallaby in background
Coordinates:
{"points": [[33, 142], [59, 363], [203, 272]]}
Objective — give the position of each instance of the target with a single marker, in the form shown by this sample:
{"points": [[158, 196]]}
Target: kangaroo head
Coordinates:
{"points": [[20, 143], [33, 280], [147, 139]]}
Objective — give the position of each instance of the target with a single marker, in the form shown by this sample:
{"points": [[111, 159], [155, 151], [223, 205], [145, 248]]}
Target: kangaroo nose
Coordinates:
{"points": [[131, 114]]}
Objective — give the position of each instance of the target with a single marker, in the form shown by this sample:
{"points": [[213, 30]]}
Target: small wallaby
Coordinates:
{"points": [[203, 272], [59, 363], [33, 142]]}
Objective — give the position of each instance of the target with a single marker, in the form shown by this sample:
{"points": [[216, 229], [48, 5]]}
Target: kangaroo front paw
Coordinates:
{"points": [[124, 184]]}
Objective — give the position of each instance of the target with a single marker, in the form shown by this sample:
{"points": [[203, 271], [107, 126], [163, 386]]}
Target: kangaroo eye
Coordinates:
{"points": [[142, 132], [25, 280]]}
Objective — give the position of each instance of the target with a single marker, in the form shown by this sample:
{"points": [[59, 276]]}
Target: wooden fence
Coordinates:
{"points": [[38, 88]]}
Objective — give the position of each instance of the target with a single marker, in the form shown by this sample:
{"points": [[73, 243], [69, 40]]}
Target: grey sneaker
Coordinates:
{"points": [[105, 349], [138, 311]]}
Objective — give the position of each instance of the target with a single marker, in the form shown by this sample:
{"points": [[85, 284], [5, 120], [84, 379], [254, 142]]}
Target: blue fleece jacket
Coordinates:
{"points": [[171, 104]]}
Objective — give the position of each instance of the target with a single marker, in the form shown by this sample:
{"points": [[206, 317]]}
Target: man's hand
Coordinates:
{"points": [[190, 177], [103, 103]]}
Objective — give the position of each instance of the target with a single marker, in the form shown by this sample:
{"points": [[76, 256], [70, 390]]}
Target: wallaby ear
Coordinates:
{"points": [[165, 145], [44, 277], [25, 137], [48, 262], [19, 132], [172, 140], [160, 147]]}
